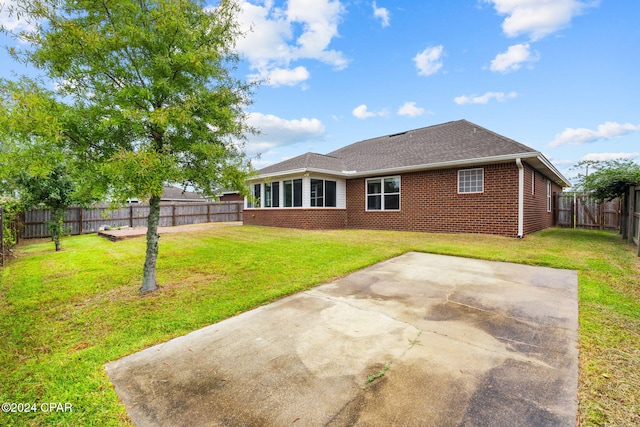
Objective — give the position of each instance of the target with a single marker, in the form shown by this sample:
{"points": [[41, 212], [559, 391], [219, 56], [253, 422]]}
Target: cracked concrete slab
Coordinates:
{"points": [[418, 340]]}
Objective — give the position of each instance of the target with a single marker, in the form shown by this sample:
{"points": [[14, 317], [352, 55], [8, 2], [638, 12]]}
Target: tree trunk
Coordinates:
{"points": [[149, 279], [57, 226]]}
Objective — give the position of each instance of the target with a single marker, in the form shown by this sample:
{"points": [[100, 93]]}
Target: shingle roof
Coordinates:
{"points": [[307, 161], [172, 193], [447, 142], [450, 142]]}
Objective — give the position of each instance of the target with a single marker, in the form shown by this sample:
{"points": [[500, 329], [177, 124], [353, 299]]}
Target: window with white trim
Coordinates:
{"points": [[549, 194], [470, 181], [323, 193], [271, 194], [292, 193], [383, 194], [255, 203]]}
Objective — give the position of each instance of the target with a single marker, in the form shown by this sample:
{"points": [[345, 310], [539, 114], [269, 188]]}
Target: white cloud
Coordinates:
{"points": [[362, 112], [611, 156], [10, 22], [382, 13], [560, 163], [285, 77], [411, 110], [513, 58], [259, 163], [276, 37], [428, 61], [579, 136], [484, 99], [276, 131], [538, 18]]}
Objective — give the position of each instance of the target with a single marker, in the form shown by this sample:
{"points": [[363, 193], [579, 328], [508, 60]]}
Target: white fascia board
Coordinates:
{"points": [[562, 181], [297, 172], [278, 174]]}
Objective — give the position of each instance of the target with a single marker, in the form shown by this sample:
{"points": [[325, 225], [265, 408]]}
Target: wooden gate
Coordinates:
{"points": [[584, 211]]}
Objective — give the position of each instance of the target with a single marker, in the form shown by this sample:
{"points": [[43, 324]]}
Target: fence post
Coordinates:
{"points": [[20, 220], [622, 218], [130, 214], [80, 230], [208, 212], [173, 215], [631, 213]]}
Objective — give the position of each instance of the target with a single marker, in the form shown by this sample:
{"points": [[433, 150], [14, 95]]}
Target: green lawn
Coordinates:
{"points": [[63, 315]]}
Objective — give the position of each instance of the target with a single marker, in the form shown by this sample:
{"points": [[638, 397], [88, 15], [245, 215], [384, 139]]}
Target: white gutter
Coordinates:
{"points": [[520, 198]]}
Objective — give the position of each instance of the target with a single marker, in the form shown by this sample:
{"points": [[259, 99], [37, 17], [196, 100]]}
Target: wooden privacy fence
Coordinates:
{"points": [[83, 221], [583, 211], [630, 229]]}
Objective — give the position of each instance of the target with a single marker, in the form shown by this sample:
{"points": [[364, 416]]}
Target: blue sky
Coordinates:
{"points": [[560, 76]]}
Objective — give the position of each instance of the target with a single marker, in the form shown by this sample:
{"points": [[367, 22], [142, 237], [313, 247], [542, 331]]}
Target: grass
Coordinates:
{"points": [[63, 315], [371, 378]]}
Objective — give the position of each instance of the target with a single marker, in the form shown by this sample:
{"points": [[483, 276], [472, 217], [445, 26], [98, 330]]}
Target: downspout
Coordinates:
{"points": [[520, 198]]}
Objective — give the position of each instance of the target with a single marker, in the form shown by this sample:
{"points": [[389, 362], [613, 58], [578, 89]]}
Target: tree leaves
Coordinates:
{"points": [[608, 179], [145, 93]]}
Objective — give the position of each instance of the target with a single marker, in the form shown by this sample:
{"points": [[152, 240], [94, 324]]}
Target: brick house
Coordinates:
{"points": [[456, 177]]}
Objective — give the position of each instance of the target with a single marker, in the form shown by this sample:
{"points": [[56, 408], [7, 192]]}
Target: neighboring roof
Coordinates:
{"points": [[448, 144], [175, 194]]}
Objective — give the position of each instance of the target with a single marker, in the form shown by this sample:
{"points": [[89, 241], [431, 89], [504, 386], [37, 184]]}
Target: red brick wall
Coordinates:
{"points": [[536, 217], [308, 219], [231, 198], [430, 202]]}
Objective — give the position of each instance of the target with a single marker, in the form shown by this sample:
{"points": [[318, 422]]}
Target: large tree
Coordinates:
{"points": [[151, 93], [608, 179], [33, 165], [54, 191]]}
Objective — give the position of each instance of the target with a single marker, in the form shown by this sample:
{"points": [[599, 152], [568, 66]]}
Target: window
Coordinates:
{"points": [[256, 195], [275, 195], [317, 193], [272, 195], [470, 181], [288, 194], [533, 182], [383, 194], [267, 195], [323, 193], [292, 193], [330, 199], [549, 194]]}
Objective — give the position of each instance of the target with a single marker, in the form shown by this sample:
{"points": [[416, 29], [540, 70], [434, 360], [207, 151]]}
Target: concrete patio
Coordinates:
{"points": [[418, 340]]}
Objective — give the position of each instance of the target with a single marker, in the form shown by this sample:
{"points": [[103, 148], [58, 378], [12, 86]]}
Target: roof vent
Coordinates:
{"points": [[397, 134]]}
